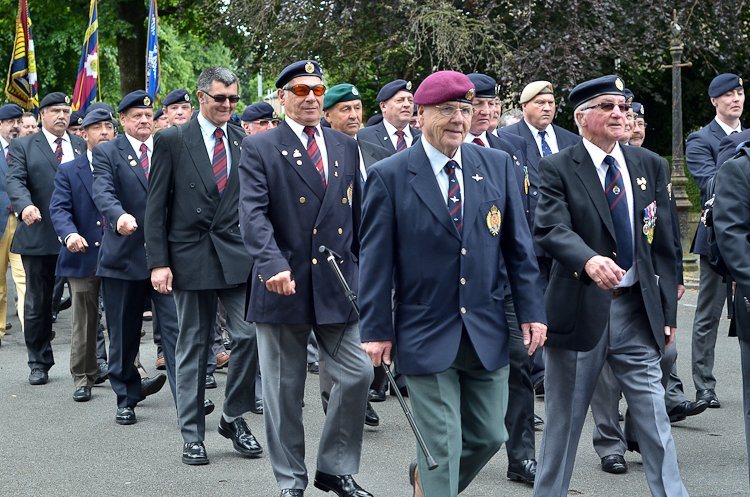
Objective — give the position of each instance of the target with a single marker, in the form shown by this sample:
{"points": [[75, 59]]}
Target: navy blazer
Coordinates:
{"points": [[4, 199], [701, 156], [72, 210], [379, 136], [120, 187], [444, 282], [515, 146], [30, 180], [286, 214]]}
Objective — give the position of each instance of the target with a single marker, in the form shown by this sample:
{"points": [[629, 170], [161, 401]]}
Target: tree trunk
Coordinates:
{"points": [[131, 49]]}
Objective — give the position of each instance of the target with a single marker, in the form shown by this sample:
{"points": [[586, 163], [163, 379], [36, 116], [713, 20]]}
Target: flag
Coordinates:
{"points": [[21, 87], [87, 83], [153, 64]]}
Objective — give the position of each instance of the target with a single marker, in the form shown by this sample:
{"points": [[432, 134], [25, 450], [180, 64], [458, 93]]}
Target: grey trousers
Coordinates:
{"points": [[609, 439], [84, 296], [745, 358], [196, 312], [282, 351], [711, 298], [629, 347]]}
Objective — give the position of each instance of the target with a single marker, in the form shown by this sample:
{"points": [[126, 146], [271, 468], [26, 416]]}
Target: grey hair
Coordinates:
{"points": [[503, 121], [581, 110], [216, 73]]}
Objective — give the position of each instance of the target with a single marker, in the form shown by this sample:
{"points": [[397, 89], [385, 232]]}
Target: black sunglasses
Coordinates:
{"points": [[220, 99]]}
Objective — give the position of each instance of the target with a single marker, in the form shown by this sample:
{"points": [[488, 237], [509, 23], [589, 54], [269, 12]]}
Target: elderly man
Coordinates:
{"points": [[449, 262], [32, 163], [259, 117], [298, 191], [619, 308], [78, 224], [178, 106], [397, 106]]}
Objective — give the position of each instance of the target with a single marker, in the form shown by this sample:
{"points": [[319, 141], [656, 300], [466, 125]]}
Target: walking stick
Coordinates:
{"points": [[352, 297]]}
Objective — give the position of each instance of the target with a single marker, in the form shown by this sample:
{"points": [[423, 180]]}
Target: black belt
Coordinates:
{"points": [[618, 292]]}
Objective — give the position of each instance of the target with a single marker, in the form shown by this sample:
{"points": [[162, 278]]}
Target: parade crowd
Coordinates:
{"points": [[494, 257]]}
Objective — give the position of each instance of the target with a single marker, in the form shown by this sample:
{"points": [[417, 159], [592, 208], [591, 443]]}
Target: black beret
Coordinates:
{"points": [[97, 116], [606, 85], [638, 109], [138, 99], [158, 114], [10, 111], [484, 86], [301, 68], [724, 83], [376, 119], [76, 118], [55, 98], [258, 111], [179, 96], [392, 88], [100, 105], [629, 96]]}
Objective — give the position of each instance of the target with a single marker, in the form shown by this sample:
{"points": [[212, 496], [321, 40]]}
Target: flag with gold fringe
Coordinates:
{"points": [[21, 87]]}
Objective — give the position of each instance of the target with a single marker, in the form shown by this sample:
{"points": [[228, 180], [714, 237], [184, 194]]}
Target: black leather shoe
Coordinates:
{"points": [[709, 397], [341, 485], [125, 416], [539, 386], [523, 471], [244, 442], [82, 394], [210, 381], [371, 417], [685, 409], [614, 464], [377, 395], [38, 376], [194, 453], [292, 492], [633, 446], [150, 386], [258, 407], [313, 367], [65, 304], [208, 407], [538, 422], [102, 374]]}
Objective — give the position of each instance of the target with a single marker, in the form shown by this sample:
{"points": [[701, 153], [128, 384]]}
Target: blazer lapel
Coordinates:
{"points": [[383, 137], [296, 156], [473, 190], [196, 148], [586, 171], [717, 131], [130, 158], [87, 177], [46, 150], [532, 151], [427, 189]]}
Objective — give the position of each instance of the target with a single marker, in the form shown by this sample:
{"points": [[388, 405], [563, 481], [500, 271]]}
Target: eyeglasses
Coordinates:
{"points": [[450, 111], [641, 125], [304, 90], [265, 123], [610, 106], [220, 99]]}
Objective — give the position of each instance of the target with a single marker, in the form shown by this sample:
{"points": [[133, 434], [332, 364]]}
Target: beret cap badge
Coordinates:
{"points": [[309, 67], [146, 101], [619, 85], [354, 91], [187, 97], [740, 81], [470, 94], [67, 99], [408, 85]]}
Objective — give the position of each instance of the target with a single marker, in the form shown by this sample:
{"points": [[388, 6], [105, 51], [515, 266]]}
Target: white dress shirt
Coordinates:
{"points": [[438, 160], [299, 130], [208, 130], [4, 144], [136, 144], [391, 129], [470, 139], [727, 129], [551, 137], [67, 148]]}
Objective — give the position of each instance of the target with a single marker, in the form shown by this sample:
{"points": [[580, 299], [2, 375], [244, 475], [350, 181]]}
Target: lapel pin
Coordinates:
{"points": [[385, 138], [78, 152], [284, 152], [336, 173], [296, 153], [130, 157], [299, 162], [476, 177], [335, 163], [133, 163], [641, 182]]}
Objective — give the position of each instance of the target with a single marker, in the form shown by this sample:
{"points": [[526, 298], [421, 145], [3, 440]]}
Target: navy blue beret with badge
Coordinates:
{"points": [[444, 86], [484, 86], [297, 69], [258, 111], [76, 118], [97, 116], [388, 91], [178, 96], [10, 111], [724, 83], [638, 110], [138, 99], [54, 98], [606, 85]]}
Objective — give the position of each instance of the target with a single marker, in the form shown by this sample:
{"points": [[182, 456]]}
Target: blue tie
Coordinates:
{"points": [[545, 146], [618, 208], [454, 196]]}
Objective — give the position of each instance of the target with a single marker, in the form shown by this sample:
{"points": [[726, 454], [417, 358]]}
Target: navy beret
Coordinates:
{"points": [[178, 96], [138, 99], [444, 86], [235, 118], [376, 119], [484, 86], [629, 96], [260, 110], [606, 85], [158, 114], [100, 105], [301, 68], [97, 116], [10, 111], [324, 123], [388, 91], [76, 118], [724, 83], [55, 98], [638, 109]]}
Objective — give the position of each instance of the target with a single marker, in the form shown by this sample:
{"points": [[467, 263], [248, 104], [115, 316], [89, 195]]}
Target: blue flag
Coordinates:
{"points": [[86, 90], [153, 64]]}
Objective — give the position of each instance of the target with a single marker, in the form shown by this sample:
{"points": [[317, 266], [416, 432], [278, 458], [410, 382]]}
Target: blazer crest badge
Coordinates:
{"points": [[493, 220]]}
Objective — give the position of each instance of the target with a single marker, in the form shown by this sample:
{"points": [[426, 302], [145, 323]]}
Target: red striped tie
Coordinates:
{"points": [[144, 159], [219, 163], [314, 151], [401, 142], [479, 142], [58, 150]]}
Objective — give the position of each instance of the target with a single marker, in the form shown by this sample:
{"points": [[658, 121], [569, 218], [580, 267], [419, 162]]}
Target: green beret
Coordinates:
{"points": [[340, 93]]}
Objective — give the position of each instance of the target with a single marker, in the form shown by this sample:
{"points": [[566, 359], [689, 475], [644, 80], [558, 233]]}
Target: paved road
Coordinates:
{"points": [[52, 446]]}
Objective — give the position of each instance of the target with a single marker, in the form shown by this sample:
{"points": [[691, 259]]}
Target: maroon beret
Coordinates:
{"points": [[444, 86]]}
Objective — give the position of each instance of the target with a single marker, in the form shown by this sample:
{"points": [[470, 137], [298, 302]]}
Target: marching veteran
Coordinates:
{"points": [[444, 226]]}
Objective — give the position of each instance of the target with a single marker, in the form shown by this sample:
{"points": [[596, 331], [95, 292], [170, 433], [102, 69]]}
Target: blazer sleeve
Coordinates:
{"points": [[61, 205], [160, 180], [732, 219], [15, 178], [700, 160], [105, 193]]}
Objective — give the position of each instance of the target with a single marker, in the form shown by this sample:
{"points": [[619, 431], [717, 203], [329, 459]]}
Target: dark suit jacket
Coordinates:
{"points": [[189, 226], [573, 224], [731, 216], [379, 136], [120, 187], [286, 214], [728, 146], [4, 199], [701, 156], [372, 153], [410, 243], [72, 210], [30, 180]]}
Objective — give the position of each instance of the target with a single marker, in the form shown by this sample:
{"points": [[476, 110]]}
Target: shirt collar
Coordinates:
{"points": [[51, 138], [391, 129], [470, 138], [437, 159], [597, 154], [534, 131], [727, 129], [136, 143], [209, 128], [299, 129], [3, 143]]}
